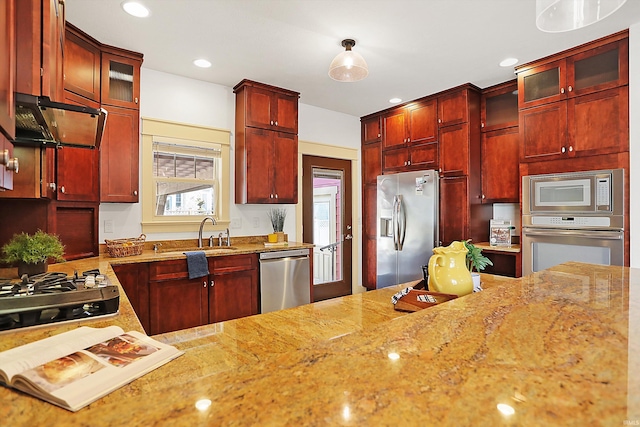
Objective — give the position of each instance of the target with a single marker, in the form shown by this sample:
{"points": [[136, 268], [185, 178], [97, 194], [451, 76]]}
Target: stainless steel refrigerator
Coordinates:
{"points": [[407, 226]]}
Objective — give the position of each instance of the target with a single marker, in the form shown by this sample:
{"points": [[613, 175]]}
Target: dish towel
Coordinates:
{"points": [[197, 264]]}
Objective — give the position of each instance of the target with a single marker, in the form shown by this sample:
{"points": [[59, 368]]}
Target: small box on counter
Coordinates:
{"points": [[500, 232]]}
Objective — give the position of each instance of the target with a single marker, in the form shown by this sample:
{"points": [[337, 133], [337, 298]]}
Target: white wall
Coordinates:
{"points": [[180, 99]]}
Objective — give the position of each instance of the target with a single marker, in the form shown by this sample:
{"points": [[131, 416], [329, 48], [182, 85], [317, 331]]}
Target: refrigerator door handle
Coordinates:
{"points": [[394, 222], [402, 223]]}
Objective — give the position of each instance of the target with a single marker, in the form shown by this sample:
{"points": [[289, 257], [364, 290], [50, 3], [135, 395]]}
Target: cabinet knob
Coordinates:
{"points": [[135, 192], [408, 139], [482, 124], [276, 195], [271, 122], [52, 186], [276, 123], [570, 148], [483, 197], [135, 100], [561, 90], [204, 284], [13, 165], [4, 157], [379, 135], [439, 120], [405, 163], [409, 163], [570, 88], [564, 150], [62, 190], [212, 283]]}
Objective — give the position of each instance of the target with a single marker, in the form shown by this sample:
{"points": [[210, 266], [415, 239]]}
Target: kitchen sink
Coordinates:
{"points": [[208, 250]]}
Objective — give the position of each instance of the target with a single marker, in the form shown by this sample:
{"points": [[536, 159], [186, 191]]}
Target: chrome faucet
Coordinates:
{"points": [[227, 238], [213, 221]]}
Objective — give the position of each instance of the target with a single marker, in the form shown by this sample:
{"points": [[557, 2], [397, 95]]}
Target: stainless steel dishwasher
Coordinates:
{"points": [[284, 279]]}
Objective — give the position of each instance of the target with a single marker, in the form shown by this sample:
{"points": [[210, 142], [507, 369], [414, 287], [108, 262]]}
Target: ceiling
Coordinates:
{"points": [[413, 47]]}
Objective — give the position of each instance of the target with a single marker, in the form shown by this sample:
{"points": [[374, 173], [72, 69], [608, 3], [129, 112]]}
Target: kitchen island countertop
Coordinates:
{"points": [[556, 346]]}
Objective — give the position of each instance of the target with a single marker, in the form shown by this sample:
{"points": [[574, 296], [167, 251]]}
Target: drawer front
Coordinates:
{"points": [[173, 269], [233, 263]]}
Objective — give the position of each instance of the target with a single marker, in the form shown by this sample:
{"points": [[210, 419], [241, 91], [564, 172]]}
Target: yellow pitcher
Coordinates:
{"points": [[448, 271]]}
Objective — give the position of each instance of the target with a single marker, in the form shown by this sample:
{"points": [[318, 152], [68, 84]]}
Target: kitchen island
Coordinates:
{"points": [[559, 347]]}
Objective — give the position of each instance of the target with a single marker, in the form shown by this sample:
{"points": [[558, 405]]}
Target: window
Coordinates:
{"points": [[185, 176]]}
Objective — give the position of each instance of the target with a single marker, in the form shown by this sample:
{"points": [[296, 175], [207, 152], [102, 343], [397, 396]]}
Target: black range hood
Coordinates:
{"points": [[40, 121]]}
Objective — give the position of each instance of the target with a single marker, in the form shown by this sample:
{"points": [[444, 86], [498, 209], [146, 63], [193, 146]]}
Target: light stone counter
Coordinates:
{"points": [[560, 347]]}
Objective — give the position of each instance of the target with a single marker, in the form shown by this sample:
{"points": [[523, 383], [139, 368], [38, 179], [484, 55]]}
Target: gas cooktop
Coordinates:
{"points": [[55, 297]]}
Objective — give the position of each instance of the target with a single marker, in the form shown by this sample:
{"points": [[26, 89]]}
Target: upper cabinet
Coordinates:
{"points": [[7, 75], [266, 144], [576, 103], [500, 142], [411, 124], [597, 66], [119, 152], [121, 79], [40, 34], [371, 129], [82, 64], [269, 107]]}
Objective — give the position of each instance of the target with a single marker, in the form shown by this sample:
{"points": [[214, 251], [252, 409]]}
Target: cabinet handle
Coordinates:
{"points": [[570, 88], [561, 90], [135, 192], [563, 150], [62, 190], [204, 284], [13, 165]]}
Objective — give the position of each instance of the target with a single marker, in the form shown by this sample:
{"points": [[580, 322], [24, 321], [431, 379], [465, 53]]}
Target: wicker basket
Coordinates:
{"points": [[125, 247]]}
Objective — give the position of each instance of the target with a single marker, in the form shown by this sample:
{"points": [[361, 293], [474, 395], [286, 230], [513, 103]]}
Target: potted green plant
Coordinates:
{"points": [[475, 261], [31, 253]]}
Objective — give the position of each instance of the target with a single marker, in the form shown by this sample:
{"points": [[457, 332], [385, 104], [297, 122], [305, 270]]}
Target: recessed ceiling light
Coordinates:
{"points": [[135, 9], [202, 63], [508, 62], [395, 100]]}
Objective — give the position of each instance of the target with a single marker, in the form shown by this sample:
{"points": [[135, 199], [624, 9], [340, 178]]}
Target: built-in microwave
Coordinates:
{"points": [[597, 193]]}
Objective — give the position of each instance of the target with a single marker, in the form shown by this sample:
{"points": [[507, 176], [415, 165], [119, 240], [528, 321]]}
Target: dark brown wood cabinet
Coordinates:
{"points": [[500, 143], [134, 279], [176, 302], [233, 291], [7, 76], [454, 150], [40, 33], [82, 64], [576, 103], [371, 130], [454, 209], [266, 160], [415, 123], [120, 82], [371, 168], [500, 172], [119, 156]]}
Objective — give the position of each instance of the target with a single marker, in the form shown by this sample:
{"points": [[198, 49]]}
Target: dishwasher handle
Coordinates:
{"points": [[295, 253]]}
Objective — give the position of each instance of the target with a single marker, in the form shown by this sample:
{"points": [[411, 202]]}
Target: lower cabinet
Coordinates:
{"points": [[134, 279], [176, 302]]}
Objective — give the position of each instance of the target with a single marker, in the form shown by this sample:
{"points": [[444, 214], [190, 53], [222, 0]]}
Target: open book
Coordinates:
{"points": [[78, 367]]}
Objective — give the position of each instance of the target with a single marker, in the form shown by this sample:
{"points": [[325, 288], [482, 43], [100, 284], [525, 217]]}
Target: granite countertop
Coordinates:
{"points": [[555, 346]]}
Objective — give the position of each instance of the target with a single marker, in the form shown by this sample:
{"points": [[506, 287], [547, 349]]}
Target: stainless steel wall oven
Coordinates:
{"points": [[577, 216]]}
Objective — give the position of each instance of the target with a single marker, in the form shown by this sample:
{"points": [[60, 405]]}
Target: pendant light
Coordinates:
{"points": [[348, 66], [556, 16]]}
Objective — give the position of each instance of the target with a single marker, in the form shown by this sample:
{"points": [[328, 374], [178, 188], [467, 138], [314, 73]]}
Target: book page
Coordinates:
{"points": [[37, 353], [75, 380]]}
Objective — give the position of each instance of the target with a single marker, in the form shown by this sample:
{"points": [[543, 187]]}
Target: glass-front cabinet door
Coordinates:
{"points": [[120, 81], [542, 84], [598, 69]]}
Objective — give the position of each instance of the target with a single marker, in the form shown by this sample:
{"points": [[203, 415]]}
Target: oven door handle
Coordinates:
{"points": [[608, 235]]}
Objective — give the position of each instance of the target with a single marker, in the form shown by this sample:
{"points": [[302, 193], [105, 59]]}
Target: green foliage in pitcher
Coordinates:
{"points": [[475, 260]]}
